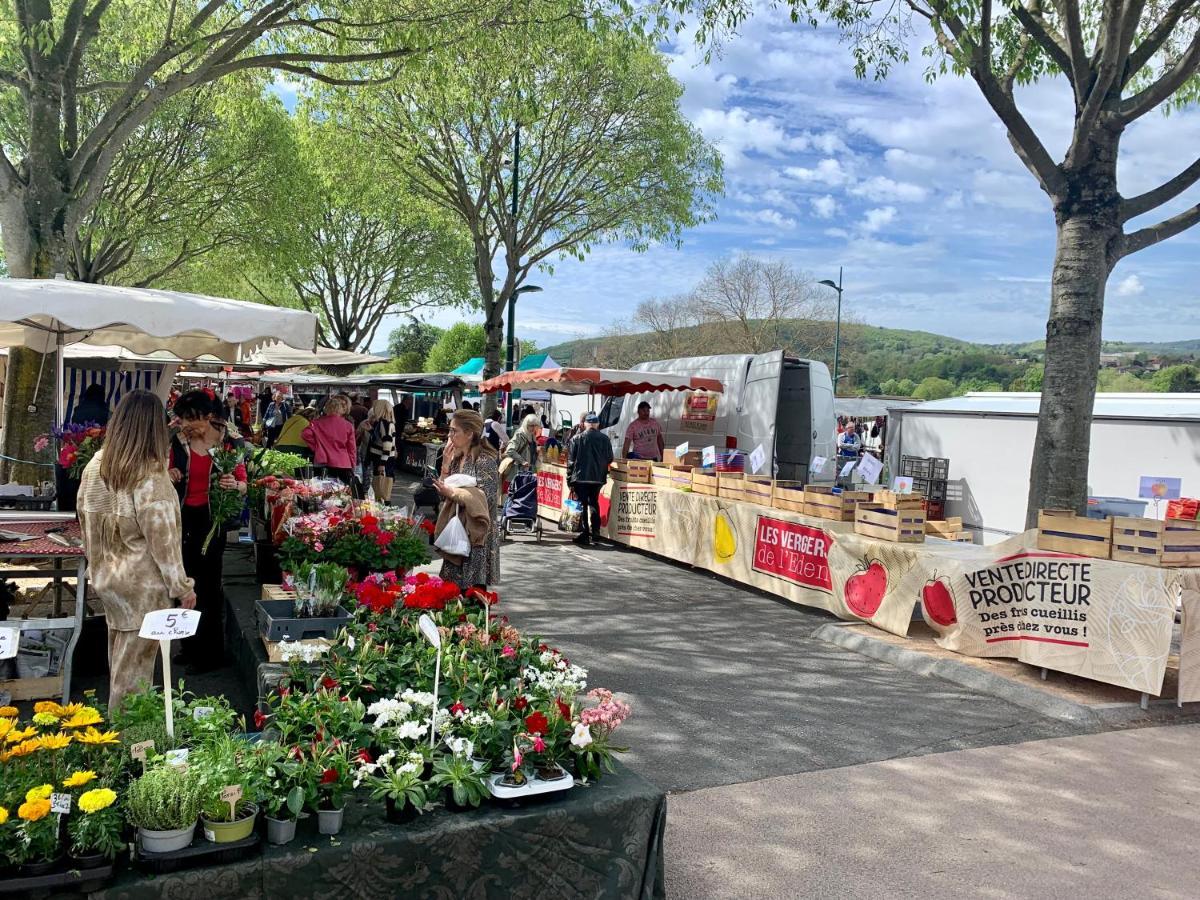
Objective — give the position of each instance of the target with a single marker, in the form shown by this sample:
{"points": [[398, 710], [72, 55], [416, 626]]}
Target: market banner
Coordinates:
{"points": [[551, 489], [1108, 621]]}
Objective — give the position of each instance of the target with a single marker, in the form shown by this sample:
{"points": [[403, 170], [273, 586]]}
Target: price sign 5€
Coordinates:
{"points": [[169, 624]]}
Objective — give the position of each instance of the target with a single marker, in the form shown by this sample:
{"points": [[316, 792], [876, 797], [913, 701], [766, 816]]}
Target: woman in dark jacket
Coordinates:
{"points": [[381, 450], [92, 409], [203, 428]]}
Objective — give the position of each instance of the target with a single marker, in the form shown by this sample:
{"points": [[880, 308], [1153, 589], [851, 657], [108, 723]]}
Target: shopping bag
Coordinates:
{"points": [[453, 540], [570, 519]]}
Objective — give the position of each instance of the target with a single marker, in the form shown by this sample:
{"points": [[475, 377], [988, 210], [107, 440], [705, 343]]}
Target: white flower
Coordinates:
{"points": [[388, 710], [461, 746], [385, 760], [411, 731], [408, 768], [547, 657], [418, 698], [479, 720], [582, 736], [350, 642]]}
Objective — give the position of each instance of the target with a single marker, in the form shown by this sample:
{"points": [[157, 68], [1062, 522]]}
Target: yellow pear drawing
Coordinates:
{"points": [[724, 540]]}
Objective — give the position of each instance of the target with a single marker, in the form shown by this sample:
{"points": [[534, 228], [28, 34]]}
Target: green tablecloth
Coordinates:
{"points": [[604, 840]]}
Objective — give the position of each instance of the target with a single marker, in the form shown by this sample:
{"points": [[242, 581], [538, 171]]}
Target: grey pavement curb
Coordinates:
{"points": [[850, 638]]}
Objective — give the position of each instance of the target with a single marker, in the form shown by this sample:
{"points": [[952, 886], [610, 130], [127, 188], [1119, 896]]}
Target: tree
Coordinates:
{"points": [[604, 153], [897, 387], [416, 338], [753, 301], [1121, 60], [933, 389], [674, 326], [457, 344], [1175, 380], [1112, 381], [80, 79]]}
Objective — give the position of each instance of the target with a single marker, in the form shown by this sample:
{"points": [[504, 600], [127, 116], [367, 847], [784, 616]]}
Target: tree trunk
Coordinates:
{"points": [[493, 351], [1059, 476]]}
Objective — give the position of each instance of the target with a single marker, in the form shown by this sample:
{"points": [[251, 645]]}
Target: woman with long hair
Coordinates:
{"points": [[523, 448], [203, 427], [331, 439], [381, 449], [469, 453], [132, 535]]}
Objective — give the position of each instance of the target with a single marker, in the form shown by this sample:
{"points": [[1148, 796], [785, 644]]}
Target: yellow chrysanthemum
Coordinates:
{"points": [[45, 719], [41, 792], [79, 779], [97, 738], [24, 748], [85, 716], [3, 815], [6, 725], [54, 741], [17, 735], [96, 800], [32, 810], [8, 712], [48, 706]]}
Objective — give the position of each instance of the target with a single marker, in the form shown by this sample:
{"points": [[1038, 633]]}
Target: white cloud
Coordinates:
{"points": [[824, 206], [902, 160], [737, 133], [770, 217], [877, 218], [881, 189], [1130, 286], [828, 172]]}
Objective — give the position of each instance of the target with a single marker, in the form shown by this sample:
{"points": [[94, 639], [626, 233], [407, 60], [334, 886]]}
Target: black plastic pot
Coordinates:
{"points": [[405, 814]]}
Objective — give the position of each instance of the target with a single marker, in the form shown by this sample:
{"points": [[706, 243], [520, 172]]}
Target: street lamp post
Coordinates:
{"points": [[837, 329], [511, 352]]}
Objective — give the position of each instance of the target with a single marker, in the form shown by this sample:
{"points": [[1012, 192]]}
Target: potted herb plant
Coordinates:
{"points": [[164, 805], [286, 787], [229, 788], [316, 611], [461, 780], [95, 829]]}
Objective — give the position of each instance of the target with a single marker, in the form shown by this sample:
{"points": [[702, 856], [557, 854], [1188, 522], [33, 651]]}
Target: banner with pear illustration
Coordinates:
{"points": [[1104, 620]]}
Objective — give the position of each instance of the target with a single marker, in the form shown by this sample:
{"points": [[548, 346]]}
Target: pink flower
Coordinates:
{"points": [[318, 546], [517, 757], [538, 744], [508, 651], [41, 443]]}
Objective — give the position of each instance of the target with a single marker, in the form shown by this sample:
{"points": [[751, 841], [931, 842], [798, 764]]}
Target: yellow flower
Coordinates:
{"points": [[39, 793], [6, 725], [32, 810], [8, 712], [24, 748], [85, 716], [96, 738], [79, 779], [54, 741], [3, 815], [48, 706], [96, 800], [17, 735], [45, 718]]}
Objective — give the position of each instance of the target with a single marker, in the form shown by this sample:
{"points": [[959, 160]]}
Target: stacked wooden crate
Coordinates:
{"points": [[889, 516], [671, 476], [634, 471], [950, 529], [729, 485], [704, 481], [1167, 544], [788, 495], [824, 502], [1062, 531], [758, 489]]}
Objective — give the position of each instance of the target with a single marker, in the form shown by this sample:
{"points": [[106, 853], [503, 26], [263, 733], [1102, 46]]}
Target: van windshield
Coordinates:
{"points": [[611, 413]]}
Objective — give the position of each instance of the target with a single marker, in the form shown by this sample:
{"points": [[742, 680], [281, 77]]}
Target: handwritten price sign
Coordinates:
{"points": [[169, 624], [9, 639]]}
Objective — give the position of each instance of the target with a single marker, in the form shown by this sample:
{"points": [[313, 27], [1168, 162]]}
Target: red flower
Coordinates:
{"points": [[520, 703], [427, 527], [457, 708], [537, 723], [364, 755], [283, 691], [328, 683], [564, 709], [422, 578], [329, 776], [259, 719], [488, 598], [371, 626]]}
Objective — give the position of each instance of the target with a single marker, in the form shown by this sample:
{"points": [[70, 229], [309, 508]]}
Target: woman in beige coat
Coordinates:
{"points": [[129, 514]]}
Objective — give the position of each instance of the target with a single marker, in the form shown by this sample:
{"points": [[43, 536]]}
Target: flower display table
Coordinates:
{"points": [[603, 840]]}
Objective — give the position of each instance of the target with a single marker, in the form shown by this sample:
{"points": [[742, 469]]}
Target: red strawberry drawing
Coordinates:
{"points": [[939, 602], [864, 591]]}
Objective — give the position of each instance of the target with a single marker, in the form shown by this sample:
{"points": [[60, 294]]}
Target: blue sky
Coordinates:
{"points": [[911, 186]]}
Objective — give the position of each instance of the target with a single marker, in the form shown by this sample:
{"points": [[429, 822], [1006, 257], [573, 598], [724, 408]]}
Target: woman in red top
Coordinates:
{"points": [[203, 427], [332, 440]]}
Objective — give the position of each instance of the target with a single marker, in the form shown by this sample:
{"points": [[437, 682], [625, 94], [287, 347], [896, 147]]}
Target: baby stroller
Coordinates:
{"points": [[520, 513]]}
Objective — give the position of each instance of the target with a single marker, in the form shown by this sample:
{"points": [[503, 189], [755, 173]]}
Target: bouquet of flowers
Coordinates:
{"points": [[77, 445], [320, 588], [223, 503]]}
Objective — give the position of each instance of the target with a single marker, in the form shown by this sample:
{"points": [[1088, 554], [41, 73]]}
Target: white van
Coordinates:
{"points": [[783, 403]]}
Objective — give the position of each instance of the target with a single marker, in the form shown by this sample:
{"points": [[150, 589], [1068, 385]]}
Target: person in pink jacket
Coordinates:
{"points": [[331, 438]]}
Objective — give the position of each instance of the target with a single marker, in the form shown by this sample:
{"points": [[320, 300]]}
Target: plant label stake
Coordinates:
{"points": [[231, 795], [164, 626], [431, 633], [60, 804], [138, 751]]}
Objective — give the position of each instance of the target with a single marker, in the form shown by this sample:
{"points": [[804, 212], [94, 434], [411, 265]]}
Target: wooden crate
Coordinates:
{"points": [[904, 526], [49, 687], [275, 655], [1168, 544], [667, 476], [892, 500], [633, 471], [276, 592], [788, 495], [730, 485], [1061, 531], [949, 530], [691, 458], [758, 489], [823, 502], [704, 482]]}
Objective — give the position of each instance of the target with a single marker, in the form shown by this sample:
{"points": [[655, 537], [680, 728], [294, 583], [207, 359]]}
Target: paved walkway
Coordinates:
{"points": [[1104, 815]]}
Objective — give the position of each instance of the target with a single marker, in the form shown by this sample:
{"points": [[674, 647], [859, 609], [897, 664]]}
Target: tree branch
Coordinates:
{"points": [[1167, 228], [1171, 81], [1047, 38], [1143, 203], [1155, 39]]}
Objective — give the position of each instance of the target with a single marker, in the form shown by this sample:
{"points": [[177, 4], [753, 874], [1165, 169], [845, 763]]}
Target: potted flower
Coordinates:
{"points": [[332, 771], [95, 828], [316, 612], [457, 774], [286, 787], [164, 805], [37, 846], [395, 778], [229, 789]]}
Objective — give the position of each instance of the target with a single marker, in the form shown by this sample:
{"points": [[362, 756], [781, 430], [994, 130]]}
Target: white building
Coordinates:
{"points": [[988, 438]]}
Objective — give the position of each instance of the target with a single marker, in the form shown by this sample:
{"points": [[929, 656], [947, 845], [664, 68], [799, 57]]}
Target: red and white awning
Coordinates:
{"points": [[604, 382]]}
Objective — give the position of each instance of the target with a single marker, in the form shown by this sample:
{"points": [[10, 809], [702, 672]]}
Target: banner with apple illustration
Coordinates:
{"points": [[1108, 621]]}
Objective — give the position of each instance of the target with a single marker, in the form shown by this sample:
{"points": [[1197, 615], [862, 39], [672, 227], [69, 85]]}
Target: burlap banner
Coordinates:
{"points": [[1102, 620]]}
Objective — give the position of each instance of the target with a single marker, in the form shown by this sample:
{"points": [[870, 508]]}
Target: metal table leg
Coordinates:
{"points": [[80, 595]]}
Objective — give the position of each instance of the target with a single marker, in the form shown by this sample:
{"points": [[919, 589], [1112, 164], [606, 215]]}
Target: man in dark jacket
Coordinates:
{"points": [[589, 457]]}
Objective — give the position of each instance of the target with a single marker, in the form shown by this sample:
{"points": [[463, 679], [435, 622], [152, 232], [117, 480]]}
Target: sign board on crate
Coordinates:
{"points": [[1151, 487], [708, 456], [10, 638], [869, 469], [902, 484], [817, 466], [758, 458]]}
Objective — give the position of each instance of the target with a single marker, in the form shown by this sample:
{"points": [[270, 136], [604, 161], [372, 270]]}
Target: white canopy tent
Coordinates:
{"points": [[46, 314]]}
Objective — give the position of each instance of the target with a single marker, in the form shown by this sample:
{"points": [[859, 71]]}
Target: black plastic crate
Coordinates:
{"points": [[915, 466], [939, 468]]}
